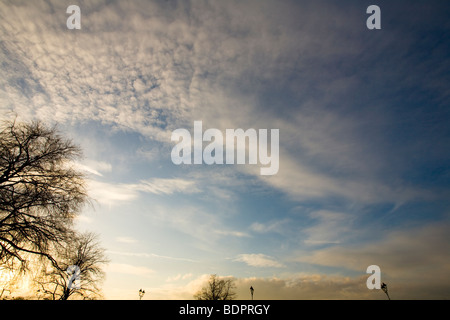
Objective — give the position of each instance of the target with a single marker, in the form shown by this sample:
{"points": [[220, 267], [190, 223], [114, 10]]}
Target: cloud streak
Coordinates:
{"points": [[110, 194], [129, 240], [124, 268], [258, 260], [149, 255]]}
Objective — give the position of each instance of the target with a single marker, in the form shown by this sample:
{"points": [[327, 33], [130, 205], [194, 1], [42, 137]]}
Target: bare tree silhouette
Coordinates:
{"points": [[39, 192], [217, 289], [79, 272]]}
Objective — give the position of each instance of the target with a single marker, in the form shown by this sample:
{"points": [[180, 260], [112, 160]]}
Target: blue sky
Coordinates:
{"points": [[363, 117]]}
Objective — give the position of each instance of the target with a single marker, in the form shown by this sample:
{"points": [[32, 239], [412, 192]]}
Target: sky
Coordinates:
{"points": [[364, 134]]}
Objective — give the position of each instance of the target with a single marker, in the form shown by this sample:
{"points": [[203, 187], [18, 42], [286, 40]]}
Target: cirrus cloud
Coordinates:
{"points": [[258, 260]]}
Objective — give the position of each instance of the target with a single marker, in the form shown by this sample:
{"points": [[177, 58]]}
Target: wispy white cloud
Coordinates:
{"points": [[94, 167], [232, 233], [126, 240], [207, 227], [331, 227], [110, 194], [180, 277], [124, 268], [150, 154], [258, 260], [166, 186], [277, 226], [149, 255]]}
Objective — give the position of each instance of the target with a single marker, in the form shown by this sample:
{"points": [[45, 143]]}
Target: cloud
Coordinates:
{"points": [[258, 260], [332, 227], [94, 167], [126, 240], [166, 186], [306, 287], [293, 287], [232, 233], [402, 255], [150, 255], [157, 69], [124, 268], [111, 194], [204, 225], [311, 286], [172, 290], [149, 154], [302, 181], [179, 277], [277, 226]]}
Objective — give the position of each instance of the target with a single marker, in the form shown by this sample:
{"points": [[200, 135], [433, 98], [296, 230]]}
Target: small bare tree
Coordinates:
{"points": [[217, 289], [39, 192], [79, 272]]}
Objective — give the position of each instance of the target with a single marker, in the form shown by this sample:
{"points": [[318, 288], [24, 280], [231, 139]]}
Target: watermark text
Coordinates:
{"points": [[236, 147]]}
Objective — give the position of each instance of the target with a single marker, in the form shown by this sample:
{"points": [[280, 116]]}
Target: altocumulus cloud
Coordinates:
{"points": [[159, 67]]}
